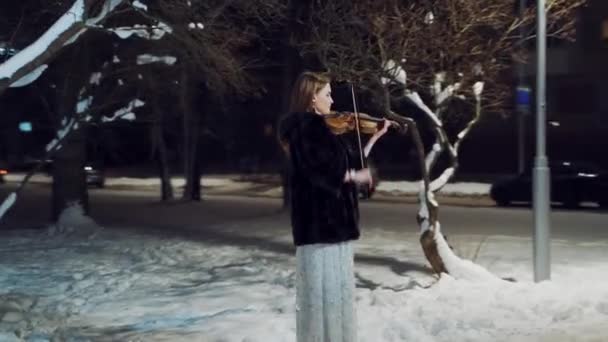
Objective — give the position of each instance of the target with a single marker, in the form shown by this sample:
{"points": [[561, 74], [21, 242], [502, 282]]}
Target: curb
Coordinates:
{"points": [[269, 186]]}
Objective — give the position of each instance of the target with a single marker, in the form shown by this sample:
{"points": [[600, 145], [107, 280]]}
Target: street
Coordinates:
{"points": [[142, 209]]}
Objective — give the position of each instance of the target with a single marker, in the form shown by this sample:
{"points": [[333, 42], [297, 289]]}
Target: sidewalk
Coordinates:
{"points": [[268, 185]]}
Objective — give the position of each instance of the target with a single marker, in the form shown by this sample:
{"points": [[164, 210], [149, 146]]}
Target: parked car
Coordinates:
{"points": [[3, 172], [95, 174], [571, 184]]}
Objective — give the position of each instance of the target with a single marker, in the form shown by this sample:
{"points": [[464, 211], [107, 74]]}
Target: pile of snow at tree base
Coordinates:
{"points": [[80, 282]]}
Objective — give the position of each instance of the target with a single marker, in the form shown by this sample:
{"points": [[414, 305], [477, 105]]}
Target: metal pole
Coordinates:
{"points": [[521, 130], [541, 182]]}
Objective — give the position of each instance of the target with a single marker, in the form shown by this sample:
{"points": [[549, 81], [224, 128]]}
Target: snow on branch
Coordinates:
{"points": [[61, 133], [442, 94], [108, 7], [72, 17], [396, 73], [447, 93], [155, 32], [7, 204], [67, 29], [431, 157], [95, 78], [442, 180], [478, 89], [417, 100], [125, 113], [147, 59], [138, 4], [83, 105], [29, 78]]}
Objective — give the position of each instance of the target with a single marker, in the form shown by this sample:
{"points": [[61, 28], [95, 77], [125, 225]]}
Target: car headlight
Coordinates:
{"points": [[88, 168], [587, 175]]}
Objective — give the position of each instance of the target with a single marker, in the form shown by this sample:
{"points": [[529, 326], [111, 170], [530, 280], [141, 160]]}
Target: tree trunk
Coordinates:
{"points": [[165, 175], [159, 151], [69, 182], [429, 247], [196, 172], [186, 114], [166, 189], [192, 190], [430, 215]]}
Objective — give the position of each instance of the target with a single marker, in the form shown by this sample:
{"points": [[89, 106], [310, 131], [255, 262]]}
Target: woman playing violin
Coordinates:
{"points": [[324, 212]]}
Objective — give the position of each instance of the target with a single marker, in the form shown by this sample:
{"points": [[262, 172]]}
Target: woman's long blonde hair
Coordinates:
{"points": [[306, 86]]}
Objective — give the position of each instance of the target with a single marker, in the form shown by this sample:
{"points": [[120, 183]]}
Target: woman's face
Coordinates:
{"points": [[322, 100]]}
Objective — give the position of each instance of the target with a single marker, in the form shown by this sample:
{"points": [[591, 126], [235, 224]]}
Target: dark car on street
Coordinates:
{"points": [[3, 172], [94, 173], [572, 183]]}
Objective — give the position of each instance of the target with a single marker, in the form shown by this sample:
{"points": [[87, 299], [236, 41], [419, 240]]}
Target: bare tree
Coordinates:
{"points": [[202, 37], [217, 44], [446, 60]]}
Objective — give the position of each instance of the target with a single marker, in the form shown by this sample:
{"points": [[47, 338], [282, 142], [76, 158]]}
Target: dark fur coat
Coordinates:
{"points": [[324, 209]]}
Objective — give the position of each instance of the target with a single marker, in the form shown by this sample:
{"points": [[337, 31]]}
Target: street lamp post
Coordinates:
{"points": [[541, 182]]}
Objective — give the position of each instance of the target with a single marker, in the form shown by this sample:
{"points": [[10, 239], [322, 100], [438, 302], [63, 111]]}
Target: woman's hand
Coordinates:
{"points": [[376, 136], [363, 176], [387, 123]]}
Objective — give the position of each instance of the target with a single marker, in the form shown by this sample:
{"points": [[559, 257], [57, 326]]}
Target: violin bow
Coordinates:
{"points": [[352, 91]]}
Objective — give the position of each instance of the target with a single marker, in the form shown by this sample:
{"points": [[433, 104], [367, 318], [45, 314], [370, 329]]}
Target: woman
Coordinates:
{"points": [[323, 183]]}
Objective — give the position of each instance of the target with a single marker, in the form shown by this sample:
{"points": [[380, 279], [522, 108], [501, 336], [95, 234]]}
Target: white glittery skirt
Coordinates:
{"points": [[325, 292]]}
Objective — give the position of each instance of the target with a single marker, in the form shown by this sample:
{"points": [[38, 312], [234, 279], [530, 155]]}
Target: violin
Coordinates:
{"points": [[343, 122]]}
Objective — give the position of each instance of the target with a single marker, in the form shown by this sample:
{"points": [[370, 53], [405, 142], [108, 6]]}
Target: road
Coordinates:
{"points": [[141, 208]]}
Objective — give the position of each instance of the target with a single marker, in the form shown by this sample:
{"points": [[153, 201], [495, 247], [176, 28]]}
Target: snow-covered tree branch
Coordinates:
{"points": [[66, 30]]}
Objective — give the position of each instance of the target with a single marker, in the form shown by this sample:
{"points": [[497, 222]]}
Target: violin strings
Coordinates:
{"points": [[352, 91]]}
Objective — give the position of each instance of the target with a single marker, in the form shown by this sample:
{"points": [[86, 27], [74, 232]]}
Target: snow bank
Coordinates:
{"points": [[456, 189], [73, 221], [125, 286], [232, 184]]}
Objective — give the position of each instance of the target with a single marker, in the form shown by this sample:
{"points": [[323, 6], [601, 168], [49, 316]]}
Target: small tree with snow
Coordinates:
{"points": [[445, 59]]}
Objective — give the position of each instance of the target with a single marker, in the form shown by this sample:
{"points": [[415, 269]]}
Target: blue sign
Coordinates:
{"points": [[523, 96], [25, 126]]}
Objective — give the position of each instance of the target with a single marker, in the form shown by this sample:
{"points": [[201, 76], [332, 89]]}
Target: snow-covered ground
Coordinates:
{"points": [[127, 284]]}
